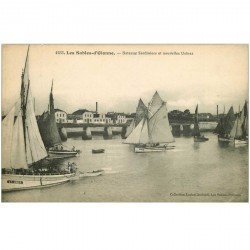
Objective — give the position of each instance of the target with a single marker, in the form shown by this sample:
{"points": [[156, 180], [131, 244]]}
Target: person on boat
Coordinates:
{"points": [[69, 167], [73, 149], [72, 167]]}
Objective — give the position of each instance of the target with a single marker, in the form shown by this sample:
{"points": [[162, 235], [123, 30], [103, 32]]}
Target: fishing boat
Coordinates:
{"points": [[196, 133], [153, 133], [141, 112], [23, 149], [225, 126], [50, 134], [239, 132], [98, 151]]}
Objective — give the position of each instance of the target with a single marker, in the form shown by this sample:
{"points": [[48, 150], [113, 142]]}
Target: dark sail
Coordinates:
{"points": [[245, 122], [219, 128], [196, 131], [141, 112], [225, 124], [228, 122], [47, 125]]}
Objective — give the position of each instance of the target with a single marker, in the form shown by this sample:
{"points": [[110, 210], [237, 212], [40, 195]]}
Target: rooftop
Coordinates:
{"points": [[80, 111], [59, 110]]}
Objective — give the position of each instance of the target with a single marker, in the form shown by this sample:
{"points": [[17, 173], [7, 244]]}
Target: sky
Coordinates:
{"points": [[204, 74]]}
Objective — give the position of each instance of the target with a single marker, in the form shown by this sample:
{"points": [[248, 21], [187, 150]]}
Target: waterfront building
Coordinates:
{"points": [[101, 119], [108, 119], [117, 118], [88, 117], [61, 116], [121, 118], [84, 116]]}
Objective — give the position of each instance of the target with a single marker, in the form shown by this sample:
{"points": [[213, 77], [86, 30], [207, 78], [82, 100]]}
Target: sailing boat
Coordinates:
{"points": [[239, 132], [153, 133], [196, 133], [23, 149], [141, 111], [50, 135], [225, 126]]}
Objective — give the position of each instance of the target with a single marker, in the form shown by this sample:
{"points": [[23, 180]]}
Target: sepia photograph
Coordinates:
{"points": [[124, 123]]}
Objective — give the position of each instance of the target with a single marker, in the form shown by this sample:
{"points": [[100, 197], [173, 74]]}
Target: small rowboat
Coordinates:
{"points": [[98, 151], [91, 173], [200, 138]]}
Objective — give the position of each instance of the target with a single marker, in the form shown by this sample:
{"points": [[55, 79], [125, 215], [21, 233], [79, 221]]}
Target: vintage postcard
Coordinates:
{"points": [[124, 123]]}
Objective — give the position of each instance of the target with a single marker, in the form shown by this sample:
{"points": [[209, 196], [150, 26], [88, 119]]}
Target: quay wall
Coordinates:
{"points": [[95, 129]]}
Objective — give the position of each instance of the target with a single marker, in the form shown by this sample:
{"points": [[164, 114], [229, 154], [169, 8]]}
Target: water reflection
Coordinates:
{"points": [[196, 145]]}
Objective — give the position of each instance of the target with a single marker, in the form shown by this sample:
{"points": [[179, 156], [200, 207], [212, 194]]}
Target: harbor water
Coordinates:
{"points": [[203, 172]]}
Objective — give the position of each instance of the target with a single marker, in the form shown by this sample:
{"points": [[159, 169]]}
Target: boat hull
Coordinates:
{"points": [[13, 182], [239, 143], [231, 141], [97, 151], [226, 140], [200, 139], [53, 154], [152, 149]]}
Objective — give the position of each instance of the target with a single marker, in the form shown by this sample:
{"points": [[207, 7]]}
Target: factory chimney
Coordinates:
{"points": [[96, 107]]}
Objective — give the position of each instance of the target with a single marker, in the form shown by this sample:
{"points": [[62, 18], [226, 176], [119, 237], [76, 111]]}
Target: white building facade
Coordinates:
{"points": [[87, 117], [61, 116], [121, 119], [92, 117]]}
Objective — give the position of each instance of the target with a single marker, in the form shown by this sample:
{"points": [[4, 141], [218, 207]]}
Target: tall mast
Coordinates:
{"points": [[23, 99]]}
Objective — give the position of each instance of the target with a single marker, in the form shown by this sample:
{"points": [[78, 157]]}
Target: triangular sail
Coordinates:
{"points": [[240, 127], [130, 128], [159, 128], [34, 144], [196, 131], [239, 130], [229, 121], [18, 154], [226, 123], [141, 112], [154, 105], [144, 138], [22, 140], [7, 134], [219, 127], [154, 125], [134, 137], [244, 125], [236, 131], [47, 125]]}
